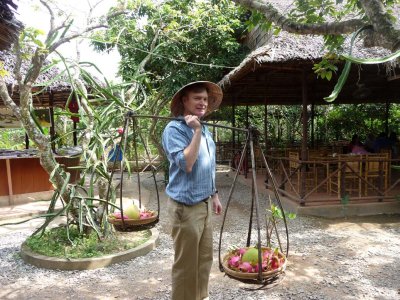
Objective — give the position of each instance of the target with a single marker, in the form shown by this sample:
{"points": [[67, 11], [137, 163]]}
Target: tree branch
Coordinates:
{"points": [[45, 4], [132, 91], [385, 33], [37, 62], [87, 29], [8, 102], [273, 15]]}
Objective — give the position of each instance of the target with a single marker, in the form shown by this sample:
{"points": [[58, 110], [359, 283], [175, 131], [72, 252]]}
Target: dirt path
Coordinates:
{"points": [[353, 258]]}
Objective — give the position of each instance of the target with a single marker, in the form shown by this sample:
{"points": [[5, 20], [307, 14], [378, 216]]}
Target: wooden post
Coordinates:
{"points": [[248, 149], [26, 141], [265, 124], [233, 125], [312, 125], [304, 138], [75, 135], [9, 182], [342, 180]]}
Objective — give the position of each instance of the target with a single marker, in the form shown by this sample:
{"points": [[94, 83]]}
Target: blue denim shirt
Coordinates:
{"points": [[189, 188]]}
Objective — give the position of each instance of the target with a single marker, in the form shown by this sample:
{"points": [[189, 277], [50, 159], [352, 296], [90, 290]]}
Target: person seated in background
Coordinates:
{"points": [[381, 142], [393, 141], [356, 147], [369, 143]]}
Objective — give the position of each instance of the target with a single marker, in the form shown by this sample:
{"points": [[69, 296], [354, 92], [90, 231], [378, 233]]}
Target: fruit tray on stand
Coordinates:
{"points": [[274, 264]]}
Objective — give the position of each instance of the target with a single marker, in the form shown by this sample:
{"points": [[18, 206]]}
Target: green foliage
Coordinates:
{"points": [[276, 213], [257, 18], [71, 243], [326, 67], [187, 41], [331, 122], [313, 11], [13, 138], [345, 200], [30, 37], [3, 72], [339, 121], [170, 44]]}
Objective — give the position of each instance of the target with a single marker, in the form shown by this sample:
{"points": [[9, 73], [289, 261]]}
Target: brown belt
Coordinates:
{"points": [[205, 200]]}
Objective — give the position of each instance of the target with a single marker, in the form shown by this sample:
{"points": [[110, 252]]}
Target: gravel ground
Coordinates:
{"points": [[352, 258]]}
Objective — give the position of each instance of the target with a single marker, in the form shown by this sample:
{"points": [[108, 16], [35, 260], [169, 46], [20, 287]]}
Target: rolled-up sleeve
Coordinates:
{"points": [[175, 140]]}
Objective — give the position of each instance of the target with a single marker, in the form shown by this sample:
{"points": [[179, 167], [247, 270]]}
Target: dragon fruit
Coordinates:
{"points": [[245, 267], [275, 263], [264, 267], [146, 213], [246, 260], [117, 215], [234, 261], [242, 251]]}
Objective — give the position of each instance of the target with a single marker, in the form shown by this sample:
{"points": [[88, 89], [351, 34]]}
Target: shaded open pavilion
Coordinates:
{"points": [[280, 73]]}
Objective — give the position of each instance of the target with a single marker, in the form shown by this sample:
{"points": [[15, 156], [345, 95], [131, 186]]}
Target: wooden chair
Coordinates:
{"points": [[389, 153], [319, 166], [295, 167], [377, 168], [259, 160], [350, 174]]}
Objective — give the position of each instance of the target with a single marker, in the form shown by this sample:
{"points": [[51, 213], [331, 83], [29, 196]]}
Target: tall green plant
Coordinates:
{"points": [[100, 106]]}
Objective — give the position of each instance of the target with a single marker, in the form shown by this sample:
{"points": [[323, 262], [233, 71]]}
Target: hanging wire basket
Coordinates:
{"points": [[146, 218], [264, 263], [129, 224], [270, 268]]}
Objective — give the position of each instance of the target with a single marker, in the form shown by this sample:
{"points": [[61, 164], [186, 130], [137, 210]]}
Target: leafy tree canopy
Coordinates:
{"points": [[176, 41]]}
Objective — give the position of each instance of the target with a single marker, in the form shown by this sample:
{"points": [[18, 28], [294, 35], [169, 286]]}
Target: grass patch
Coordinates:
{"points": [[55, 243]]}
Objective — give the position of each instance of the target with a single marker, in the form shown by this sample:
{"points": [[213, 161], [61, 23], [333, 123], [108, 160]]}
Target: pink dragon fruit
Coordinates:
{"points": [[242, 251], [267, 254], [246, 267], [263, 266], [145, 214], [275, 263], [234, 261], [117, 215]]}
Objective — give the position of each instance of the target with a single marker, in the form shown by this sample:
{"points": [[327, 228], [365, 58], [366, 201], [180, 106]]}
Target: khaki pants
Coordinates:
{"points": [[192, 235]]}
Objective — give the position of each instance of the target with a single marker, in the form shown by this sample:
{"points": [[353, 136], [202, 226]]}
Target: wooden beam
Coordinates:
{"points": [[304, 137], [9, 182]]}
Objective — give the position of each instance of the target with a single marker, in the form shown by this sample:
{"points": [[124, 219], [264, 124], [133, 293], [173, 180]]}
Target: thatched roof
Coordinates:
{"points": [[273, 74], [57, 91], [9, 25]]}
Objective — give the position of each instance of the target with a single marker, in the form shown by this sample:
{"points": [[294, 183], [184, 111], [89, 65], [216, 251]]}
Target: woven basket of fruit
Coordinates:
{"points": [[243, 263], [132, 217]]}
